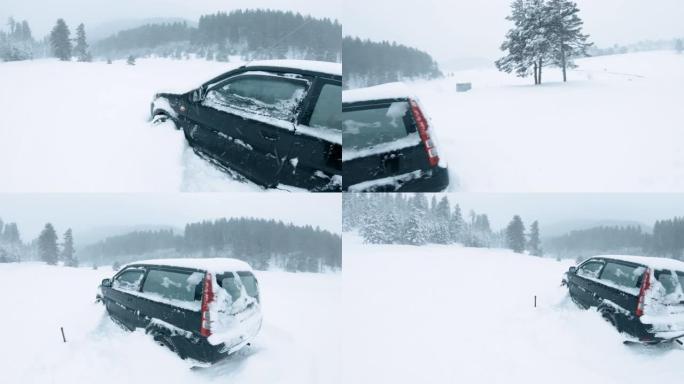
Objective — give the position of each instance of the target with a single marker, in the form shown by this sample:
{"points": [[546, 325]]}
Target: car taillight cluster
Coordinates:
{"points": [[645, 285], [207, 298], [423, 131]]}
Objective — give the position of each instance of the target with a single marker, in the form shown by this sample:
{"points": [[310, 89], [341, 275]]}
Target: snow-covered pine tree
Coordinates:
{"points": [[47, 245], [59, 41], [81, 47], [564, 30], [679, 46], [515, 45], [515, 235], [130, 60], [534, 242], [414, 229], [68, 250], [456, 225]]}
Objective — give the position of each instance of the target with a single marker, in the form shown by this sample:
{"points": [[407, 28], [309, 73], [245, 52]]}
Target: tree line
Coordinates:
{"points": [[416, 220], [17, 43], [666, 240], [251, 34], [369, 63], [262, 243], [544, 33]]}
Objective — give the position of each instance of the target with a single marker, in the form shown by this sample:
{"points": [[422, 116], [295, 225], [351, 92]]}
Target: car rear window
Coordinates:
{"points": [[174, 285], [233, 284], [269, 96], [383, 123], [671, 280], [328, 112], [623, 275]]}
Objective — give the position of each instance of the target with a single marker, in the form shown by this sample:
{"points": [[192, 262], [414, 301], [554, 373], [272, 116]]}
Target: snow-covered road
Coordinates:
{"points": [[615, 126], [448, 314], [83, 127], [299, 342]]}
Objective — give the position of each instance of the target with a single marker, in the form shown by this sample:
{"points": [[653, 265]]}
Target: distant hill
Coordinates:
{"points": [[563, 227], [104, 30]]}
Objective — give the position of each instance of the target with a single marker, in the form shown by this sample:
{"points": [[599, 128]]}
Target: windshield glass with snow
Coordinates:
{"points": [[234, 284], [174, 285], [367, 127], [671, 281], [129, 279], [268, 96]]}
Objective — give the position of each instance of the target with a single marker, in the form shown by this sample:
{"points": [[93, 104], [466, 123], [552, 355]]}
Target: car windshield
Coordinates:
{"points": [[369, 126]]}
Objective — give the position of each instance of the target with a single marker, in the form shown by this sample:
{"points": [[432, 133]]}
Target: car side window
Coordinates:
{"points": [[268, 96], [591, 269], [622, 275], [129, 280], [328, 110], [174, 285]]}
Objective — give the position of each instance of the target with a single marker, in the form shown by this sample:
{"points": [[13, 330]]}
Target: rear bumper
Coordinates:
{"points": [[431, 180]]}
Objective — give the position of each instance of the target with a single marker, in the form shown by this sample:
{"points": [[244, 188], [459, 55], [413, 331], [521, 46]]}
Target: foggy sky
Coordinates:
{"points": [[556, 208], [84, 212], [42, 15], [468, 29]]}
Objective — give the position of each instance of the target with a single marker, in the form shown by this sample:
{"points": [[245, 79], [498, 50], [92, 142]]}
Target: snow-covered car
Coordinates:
{"points": [[272, 122], [641, 296], [201, 309], [389, 144]]}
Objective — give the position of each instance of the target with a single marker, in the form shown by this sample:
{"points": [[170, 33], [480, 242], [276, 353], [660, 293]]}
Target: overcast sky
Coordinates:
{"points": [[467, 29], [555, 208], [42, 15], [84, 212]]}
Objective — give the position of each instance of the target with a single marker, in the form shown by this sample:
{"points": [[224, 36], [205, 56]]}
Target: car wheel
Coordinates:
{"points": [[166, 341], [608, 314], [578, 303]]}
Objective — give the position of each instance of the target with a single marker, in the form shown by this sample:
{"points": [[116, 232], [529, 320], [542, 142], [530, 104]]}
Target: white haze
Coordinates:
{"points": [[85, 213], [554, 208], [42, 15], [472, 31]]}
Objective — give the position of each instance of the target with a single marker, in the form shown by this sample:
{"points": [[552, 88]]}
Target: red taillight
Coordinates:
{"points": [[645, 285], [207, 297], [423, 131]]}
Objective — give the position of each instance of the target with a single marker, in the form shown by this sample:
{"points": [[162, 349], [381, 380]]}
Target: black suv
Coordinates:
{"points": [[640, 296], [201, 309], [389, 145], [272, 122]]}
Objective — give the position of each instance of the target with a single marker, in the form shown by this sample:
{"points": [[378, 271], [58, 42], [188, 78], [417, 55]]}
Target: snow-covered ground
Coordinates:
{"points": [[615, 126], [83, 127], [299, 342], [448, 314]]}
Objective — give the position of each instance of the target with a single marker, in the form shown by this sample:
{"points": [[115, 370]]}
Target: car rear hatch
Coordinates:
{"points": [[232, 315], [386, 144], [664, 304]]}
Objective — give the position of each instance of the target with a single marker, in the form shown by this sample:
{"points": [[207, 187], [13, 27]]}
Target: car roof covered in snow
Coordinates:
{"points": [[305, 65], [659, 263], [218, 264], [386, 91]]}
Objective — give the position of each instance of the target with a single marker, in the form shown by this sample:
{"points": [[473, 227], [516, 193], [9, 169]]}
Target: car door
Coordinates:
{"points": [[247, 120], [582, 284], [316, 161], [622, 282], [120, 298]]}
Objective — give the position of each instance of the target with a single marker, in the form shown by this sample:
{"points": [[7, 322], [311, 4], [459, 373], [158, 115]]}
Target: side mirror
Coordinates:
{"points": [[198, 94], [107, 283], [572, 270]]}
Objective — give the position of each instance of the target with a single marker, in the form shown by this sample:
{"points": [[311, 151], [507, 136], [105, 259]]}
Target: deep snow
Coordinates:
{"points": [[448, 314], [83, 127], [615, 126], [299, 342]]}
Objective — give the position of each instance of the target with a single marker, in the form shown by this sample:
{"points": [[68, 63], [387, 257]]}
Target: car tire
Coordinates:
{"points": [[165, 340], [578, 303], [608, 314]]}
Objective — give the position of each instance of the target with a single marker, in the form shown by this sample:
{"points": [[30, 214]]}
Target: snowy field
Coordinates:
{"points": [[299, 341], [83, 127], [615, 126], [447, 314]]}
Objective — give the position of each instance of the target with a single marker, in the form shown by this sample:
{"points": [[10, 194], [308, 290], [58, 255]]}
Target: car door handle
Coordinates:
{"points": [[269, 136]]}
